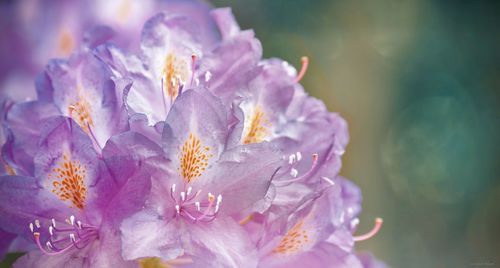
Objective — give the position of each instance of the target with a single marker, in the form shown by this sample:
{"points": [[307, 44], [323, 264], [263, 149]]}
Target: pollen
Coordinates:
{"points": [[174, 68], [69, 182], [80, 111], [193, 158], [257, 129], [295, 239]]}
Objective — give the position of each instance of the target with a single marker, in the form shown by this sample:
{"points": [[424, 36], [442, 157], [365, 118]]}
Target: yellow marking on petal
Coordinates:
{"points": [[80, 111], [258, 127], [294, 240], [66, 43], [173, 68], [193, 158], [69, 182]]}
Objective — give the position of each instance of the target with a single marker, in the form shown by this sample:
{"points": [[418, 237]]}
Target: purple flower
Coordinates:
{"points": [[191, 151], [82, 88], [175, 56], [203, 184], [71, 208]]}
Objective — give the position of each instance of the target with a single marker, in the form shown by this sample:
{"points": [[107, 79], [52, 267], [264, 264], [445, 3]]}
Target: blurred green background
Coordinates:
{"points": [[419, 83]]}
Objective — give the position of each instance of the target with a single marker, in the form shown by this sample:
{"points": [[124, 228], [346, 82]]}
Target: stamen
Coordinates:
{"points": [[305, 64], [183, 196], [31, 227], [193, 61], [307, 174], [178, 209], [294, 172], [189, 190], [299, 156], [291, 159], [197, 204], [373, 232], [67, 238]]}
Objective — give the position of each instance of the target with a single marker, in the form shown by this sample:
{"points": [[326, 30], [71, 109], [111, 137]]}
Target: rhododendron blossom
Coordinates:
{"points": [[190, 151]]}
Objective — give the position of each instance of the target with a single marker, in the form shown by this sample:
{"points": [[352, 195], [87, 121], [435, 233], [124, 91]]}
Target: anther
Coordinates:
{"points": [[178, 209], [305, 64], [72, 237], [299, 156], [370, 234], [51, 230], [211, 197], [79, 223], [183, 196], [197, 204], [72, 219], [31, 227], [173, 188], [189, 190], [37, 223], [294, 172], [53, 223], [219, 201], [208, 76], [291, 159]]}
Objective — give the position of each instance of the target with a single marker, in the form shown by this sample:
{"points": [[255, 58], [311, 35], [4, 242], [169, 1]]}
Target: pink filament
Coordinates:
{"points": [[370, 234], [305, 64]]}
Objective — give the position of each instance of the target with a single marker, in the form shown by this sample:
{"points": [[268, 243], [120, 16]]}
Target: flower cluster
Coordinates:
{"points": [[191, 151]]}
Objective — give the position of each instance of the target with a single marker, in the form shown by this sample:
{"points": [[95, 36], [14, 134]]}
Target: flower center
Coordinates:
{"points": [[257, 128], [72, 233], [187, 205], [69, 182], [193, 158]]}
